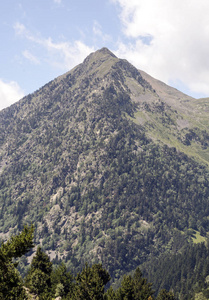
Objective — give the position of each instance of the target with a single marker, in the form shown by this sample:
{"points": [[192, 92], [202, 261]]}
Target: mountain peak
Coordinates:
{"points": [[100, 56], [105, 51], [102, 52]]}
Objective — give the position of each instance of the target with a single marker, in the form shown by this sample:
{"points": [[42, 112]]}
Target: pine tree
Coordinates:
{"points": [[142, 288], [134, 288], [110, 294], [126, 291], [165, 295], [90, 283], [62, 281], [38, 279], [11, 285]]}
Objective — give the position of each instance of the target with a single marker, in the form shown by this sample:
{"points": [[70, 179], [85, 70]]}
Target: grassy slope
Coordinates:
{"points": [[185, 112]]}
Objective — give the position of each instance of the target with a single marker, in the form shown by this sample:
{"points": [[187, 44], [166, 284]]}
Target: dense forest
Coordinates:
{"points": [[110, 171], [180, 276], [185, 273], [45, 282]]}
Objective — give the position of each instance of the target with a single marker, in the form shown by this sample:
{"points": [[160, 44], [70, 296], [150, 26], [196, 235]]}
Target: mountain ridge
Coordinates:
{"points": [[106, 166]]}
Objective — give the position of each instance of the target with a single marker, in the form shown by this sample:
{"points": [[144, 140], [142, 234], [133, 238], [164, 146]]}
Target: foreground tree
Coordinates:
{"points": [[38, 279], [11, 285], [90, 283], [134, 288], [165, 295], [62, 281]]}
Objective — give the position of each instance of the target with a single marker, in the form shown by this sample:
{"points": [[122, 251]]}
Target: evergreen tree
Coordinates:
{"points": [[62, 281], [11, 285], [126, 291], [110, 294], [38, 279], [142, 288], [134, 288], [165, 295], [90, 283]]}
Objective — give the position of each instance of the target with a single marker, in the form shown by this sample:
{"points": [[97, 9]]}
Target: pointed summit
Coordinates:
{"points": [[101, 53], [100, 60], [105, 51]]}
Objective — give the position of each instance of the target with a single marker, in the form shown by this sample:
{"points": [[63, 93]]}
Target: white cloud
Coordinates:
{"points": [[31, 57], [63, 55], [66, 55], [19, 29], [97, 30], [58, 1], [168, 39], [9, 93]]}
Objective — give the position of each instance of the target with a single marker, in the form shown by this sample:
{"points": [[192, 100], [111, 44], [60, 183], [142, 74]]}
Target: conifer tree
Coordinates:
{"points": [[62, 281], [11, 285], [38, 279], [127, 288], [165, 295], [90, 283], [142, 288], [110, 294], [134, 288]]}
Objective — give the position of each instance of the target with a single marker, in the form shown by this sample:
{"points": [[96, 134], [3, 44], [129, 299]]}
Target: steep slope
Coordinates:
{"points": [[175, 119], [83, 159]]}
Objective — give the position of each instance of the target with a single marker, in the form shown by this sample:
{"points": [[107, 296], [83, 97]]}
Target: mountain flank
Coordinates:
{"points": [[109, 164]]}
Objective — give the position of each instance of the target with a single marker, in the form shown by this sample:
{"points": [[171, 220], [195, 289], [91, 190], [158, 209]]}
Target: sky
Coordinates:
{"points": [[42, 39]]}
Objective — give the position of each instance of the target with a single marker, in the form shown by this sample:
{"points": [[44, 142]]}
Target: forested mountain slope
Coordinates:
{"points": [[109, 165]]}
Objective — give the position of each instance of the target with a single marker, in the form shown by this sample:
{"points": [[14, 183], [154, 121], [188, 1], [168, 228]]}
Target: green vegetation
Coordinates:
{"points": [[38, 279], [43, 282], [11, 284], [185, 273], [197, 238], [109, 172]]}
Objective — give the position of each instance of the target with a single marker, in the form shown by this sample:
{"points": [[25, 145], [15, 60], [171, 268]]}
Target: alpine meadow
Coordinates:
{"points": [[111, 166]]}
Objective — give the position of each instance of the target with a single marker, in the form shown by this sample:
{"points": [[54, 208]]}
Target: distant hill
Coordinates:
{"points": [[108, 163]]}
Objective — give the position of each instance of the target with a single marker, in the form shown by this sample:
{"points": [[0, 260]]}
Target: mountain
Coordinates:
{"points": [[109, 164]]}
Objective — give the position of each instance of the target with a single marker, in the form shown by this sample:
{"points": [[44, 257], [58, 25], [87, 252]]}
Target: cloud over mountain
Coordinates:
{"points": [[168, 39], [9, 93]]}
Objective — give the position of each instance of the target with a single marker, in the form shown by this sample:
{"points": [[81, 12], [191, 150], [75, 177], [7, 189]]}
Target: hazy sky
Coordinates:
{"points": [[42, 39]]}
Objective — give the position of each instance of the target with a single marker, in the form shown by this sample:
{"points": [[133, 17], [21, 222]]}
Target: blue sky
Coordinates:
{"points": [[42, 39]]}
